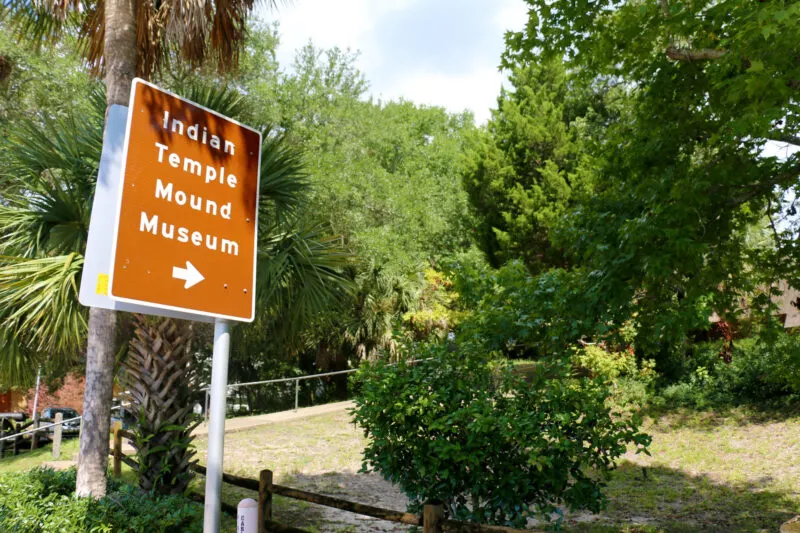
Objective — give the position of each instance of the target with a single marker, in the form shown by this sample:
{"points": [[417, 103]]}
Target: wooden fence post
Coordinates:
{"points": [[117, 453], [432, 518], [35, 438], [57, 436], [264, 499], [15, 442], [2, 434]]}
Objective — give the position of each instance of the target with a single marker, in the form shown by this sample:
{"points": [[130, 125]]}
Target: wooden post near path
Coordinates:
{"points": [[117, 453], [432, 518], [15, 442], [57, 436], [264, 499], [35, 434]]}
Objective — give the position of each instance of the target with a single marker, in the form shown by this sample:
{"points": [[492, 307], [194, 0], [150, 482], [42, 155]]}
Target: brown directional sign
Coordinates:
{"points": [[188, 209]]}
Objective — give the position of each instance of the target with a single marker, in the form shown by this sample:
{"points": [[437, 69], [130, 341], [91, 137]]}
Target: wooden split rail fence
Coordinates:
{"points": [[13, 435], [432, 519]]}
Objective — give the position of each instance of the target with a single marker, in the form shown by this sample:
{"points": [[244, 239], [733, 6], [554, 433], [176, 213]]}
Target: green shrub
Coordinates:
{"points": [[42, 501], [761, 370], [609, 365], [764, 369], [493, 447], [512, 312], [631, 382]]}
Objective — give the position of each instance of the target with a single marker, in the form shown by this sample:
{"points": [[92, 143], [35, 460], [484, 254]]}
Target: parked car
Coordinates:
{"points": [[72, 427], [123, 418]]}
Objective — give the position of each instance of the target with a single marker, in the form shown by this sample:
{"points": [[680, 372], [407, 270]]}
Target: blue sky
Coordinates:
{"points": [[440, 52]]}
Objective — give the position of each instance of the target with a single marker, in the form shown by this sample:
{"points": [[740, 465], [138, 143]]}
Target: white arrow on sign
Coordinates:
{"points": [[190, 275]]}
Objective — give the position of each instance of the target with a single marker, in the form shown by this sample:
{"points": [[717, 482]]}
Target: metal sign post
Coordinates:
{"points": [[216, 427]]}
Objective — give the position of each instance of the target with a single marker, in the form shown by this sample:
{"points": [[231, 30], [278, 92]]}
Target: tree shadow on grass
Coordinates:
{"points": [[666, 500], [710, 418], [673, 501], [368, 489]]}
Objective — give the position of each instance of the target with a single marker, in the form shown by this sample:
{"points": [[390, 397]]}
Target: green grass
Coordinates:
{"points": [[30, 459], [301, 453], [311, 445], [733, 471]]}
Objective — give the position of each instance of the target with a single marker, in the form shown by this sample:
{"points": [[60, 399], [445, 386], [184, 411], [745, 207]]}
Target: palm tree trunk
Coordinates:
{"points": [[120, 49], [120, 63], [93, 458]]}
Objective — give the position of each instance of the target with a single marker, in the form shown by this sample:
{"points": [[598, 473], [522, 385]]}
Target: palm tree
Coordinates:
{"points": [[122, 39], [160, 379], [47, 188]]}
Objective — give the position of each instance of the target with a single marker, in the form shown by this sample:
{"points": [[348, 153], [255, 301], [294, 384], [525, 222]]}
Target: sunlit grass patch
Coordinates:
{"points": [[733, 471], [32, 458]]}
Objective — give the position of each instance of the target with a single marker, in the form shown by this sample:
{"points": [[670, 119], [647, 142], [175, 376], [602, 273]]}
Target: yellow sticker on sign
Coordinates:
{"points": [[102, 285]]}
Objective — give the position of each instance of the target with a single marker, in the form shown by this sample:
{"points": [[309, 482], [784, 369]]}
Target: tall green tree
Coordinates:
{"points": [[690, 165], [386, 178], [525, 169], [121, 39], [386, 173]]}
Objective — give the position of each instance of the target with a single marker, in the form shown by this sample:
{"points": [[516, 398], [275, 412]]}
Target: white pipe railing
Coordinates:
{"points": [[281, 380], [296, 380], [41, 428]]}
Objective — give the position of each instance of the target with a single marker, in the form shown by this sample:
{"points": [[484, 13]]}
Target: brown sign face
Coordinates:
{"points": [[186, 231]]}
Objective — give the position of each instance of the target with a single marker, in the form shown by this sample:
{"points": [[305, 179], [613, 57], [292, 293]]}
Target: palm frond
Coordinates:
{"points": [[48, 180], [300, 273], [38, 149], [40, 23], [17, 365], [284, 183], [45, 221], [380, 298], [224, 100], [197, 31], [39, 303]]}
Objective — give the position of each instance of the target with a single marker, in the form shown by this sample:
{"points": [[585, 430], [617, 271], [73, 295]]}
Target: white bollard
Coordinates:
{"points": [[247, 516]]}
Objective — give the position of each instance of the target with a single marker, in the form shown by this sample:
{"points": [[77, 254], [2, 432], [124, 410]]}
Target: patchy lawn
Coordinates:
{"points": [[733, 471], [321, 454], [31, 458]]}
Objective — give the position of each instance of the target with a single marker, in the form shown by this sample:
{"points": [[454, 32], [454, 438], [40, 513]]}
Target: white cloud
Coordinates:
{"points": [[476, 90], [344, 23], [442, 53], [511, 16]]}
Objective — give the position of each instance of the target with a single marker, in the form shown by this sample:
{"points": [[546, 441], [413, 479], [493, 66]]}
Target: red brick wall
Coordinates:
{"points": [[69, 395], [5, 402]]}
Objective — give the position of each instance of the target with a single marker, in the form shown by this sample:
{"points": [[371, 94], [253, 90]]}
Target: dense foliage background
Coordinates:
{"points": [[625, 223]]}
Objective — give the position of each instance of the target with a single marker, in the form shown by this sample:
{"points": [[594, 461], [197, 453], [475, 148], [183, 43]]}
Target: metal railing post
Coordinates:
{"points": [[35, 439], [296, 393]]}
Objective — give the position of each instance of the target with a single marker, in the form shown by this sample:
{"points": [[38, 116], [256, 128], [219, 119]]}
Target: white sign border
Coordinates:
{"points": [[119, 209]]}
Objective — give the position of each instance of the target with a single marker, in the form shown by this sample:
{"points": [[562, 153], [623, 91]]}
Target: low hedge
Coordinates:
{"points": [[42, 500], [760, 371]]}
